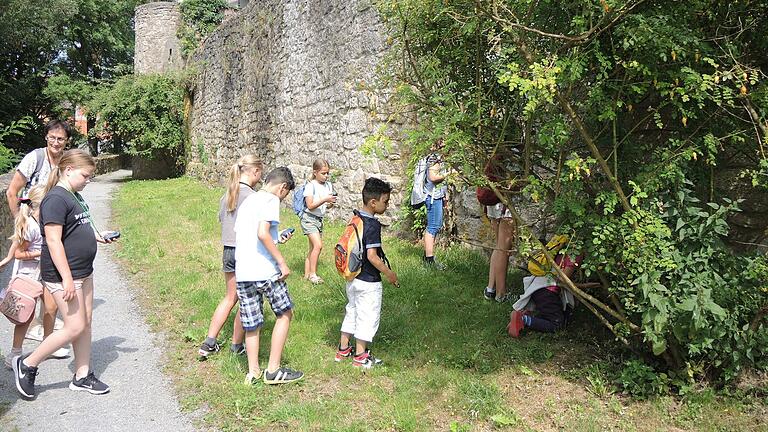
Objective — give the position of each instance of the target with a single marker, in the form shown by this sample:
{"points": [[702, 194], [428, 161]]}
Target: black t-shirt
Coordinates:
{"points": [[59, 207], [371, 239]]}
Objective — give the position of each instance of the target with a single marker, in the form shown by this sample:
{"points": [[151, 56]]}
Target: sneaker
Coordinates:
{"points": [[366, 360], [489, 294], [342, 354], [24, 377], [282, 375], [206, 350], [515, 323], [237, 350], [252, 379], [60, 353], [89, 383], [433, 263], [35, 333], [503, 298]]}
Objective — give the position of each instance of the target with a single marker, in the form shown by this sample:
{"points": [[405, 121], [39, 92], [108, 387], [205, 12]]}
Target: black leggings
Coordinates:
{"points": [[550, 316]]}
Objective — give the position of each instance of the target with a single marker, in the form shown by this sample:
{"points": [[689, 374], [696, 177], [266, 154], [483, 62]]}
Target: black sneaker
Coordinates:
{"points": [[237, 350], [282, 375], [431, 262], [89, 383], [489, 294], [206, 350], [25, 377]]}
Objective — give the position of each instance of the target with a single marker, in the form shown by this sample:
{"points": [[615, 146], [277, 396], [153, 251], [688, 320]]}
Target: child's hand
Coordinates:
{"points": [[331, 199], [392, 278], [284, 271], [285, 235]]}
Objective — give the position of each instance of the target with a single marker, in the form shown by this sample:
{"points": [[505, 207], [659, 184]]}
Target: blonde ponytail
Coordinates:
{"points": [[26, 209], [235, 171]]}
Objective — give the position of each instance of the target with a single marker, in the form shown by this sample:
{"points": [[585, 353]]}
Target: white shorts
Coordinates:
{"points": [[363, 310], [498, 211]]}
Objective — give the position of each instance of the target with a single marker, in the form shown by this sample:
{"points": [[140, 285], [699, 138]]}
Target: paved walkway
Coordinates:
{"points": [[125, 355]]}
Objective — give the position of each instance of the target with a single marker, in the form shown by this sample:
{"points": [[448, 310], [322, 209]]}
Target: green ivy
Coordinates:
{"points": [[144, 111], [199, 19]]}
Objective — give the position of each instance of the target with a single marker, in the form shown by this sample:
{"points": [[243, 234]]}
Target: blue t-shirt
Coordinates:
{"points": [[371, 240]]}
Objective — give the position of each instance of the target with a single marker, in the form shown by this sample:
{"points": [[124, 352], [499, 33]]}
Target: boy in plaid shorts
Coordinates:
{"points": [[260, 271]]}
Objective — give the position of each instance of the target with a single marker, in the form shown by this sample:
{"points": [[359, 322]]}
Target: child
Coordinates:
{"points": [[243, 176], [28, 242], [66, 264], [549, 297], [363, 309], [317, 195], [260, 271], [504, 229]]}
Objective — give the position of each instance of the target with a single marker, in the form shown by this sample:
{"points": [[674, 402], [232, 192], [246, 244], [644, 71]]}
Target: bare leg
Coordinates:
{"points": [[19, 330], [315, 247], [504, 242], [252, 351], [344, 339], [360, 346], [279, 336], [429, 244], [49, 313], [81, 345], [73, 312], [223, 310], [491, 270]]}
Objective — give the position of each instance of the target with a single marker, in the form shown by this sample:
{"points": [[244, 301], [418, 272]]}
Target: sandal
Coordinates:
{"points": [[316, 280]]}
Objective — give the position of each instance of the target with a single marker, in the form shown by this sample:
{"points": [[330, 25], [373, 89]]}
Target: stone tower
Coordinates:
{"points": [[157, 47]]}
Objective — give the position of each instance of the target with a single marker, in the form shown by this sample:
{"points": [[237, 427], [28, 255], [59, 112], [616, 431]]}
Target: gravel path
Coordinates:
{"points": [[126, 355]]}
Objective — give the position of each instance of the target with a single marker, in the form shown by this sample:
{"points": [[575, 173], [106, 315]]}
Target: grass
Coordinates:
{"points": [[449, 363]]}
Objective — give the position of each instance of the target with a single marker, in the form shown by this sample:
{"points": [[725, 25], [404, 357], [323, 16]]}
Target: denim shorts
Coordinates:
{"points": [[251, 296], [434, 215], [228, 259]]}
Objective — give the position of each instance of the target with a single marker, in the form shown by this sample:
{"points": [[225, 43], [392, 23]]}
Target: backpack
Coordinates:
{"points": [[18, 305], [299, 203], [348, 252], [538, 265], [39, 161], [419, 192]]}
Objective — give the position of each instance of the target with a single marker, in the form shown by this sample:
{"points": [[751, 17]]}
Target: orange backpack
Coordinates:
{"points": [[349, 250]]}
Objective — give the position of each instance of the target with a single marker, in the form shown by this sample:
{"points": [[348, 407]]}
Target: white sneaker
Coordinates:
{"points": [[35, 333], [60, 353]]}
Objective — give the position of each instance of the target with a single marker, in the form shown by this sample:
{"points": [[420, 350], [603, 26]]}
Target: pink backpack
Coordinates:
{"points": [[18, 305]]}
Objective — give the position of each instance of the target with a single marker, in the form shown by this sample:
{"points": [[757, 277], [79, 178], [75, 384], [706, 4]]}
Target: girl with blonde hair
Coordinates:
{"points": [[243, 176], [318, 194], [66, 265]]}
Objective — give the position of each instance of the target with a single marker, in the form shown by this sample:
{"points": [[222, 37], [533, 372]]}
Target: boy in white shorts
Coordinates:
{"points": [[363, 310]]}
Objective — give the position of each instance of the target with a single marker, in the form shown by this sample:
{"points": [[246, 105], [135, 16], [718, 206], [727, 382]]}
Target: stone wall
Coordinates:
{"points": [[290, 80], [157, 48]]}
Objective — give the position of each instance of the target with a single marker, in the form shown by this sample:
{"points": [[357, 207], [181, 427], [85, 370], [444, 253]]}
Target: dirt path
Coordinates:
{"points": [[125, 355]]}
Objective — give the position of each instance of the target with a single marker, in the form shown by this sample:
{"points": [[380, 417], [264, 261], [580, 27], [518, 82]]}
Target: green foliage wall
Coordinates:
{"points": [[144, 111], [199, 18]]}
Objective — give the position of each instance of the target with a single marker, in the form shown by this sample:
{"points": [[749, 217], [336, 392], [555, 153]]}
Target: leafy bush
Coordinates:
{"points": [[619, 115], [199, 19], [8, 157], [145, 111]]}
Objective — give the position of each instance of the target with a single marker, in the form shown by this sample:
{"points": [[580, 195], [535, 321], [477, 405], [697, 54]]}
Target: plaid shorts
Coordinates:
{"points": [[251, 296]]}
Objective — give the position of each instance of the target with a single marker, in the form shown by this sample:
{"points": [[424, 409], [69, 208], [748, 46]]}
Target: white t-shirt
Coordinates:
{"points": [[27, 168], [253, 262], [30, 267], [318, 191]]}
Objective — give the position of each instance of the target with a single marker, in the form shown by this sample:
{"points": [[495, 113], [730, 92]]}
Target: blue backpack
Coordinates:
{"points": [[299, 203]]}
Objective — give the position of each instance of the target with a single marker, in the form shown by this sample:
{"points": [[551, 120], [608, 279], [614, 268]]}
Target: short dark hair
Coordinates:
{"points": [[374, 188], [58, 124], [281, 175]]}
